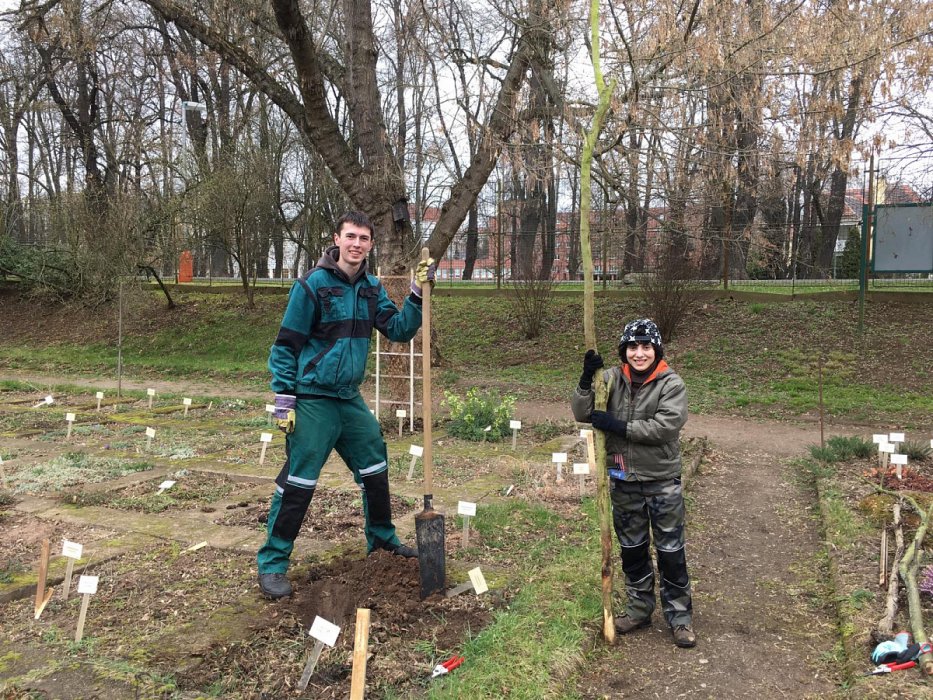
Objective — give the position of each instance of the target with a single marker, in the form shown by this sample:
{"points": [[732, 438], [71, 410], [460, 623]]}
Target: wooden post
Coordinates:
{"points": [[360, 650], [69, 572], [41, 597], [883, 559], [82, 616], [465, 536], [820, 366], [309, 666]]}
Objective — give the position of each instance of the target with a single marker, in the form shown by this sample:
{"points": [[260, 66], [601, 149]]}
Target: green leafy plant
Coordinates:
{"points": [[480, 415], [841, 448], [915, 450]]}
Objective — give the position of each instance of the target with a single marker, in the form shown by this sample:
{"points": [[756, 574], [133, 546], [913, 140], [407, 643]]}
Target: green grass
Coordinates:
{"points": [[758, 358], [545, 625]]}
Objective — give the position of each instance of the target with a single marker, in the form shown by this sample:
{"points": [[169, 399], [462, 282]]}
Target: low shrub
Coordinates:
{"points": [[480, 415]]}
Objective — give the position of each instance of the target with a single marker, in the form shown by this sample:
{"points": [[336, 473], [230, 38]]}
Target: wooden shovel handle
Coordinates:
{"points": [[427, 457]]}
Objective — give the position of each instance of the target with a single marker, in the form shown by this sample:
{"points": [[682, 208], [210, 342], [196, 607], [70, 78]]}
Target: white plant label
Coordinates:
{"points": [[416, 451], [49, 400], [887, 447], [166, 485], [324, 631], [150, 432], [186, 402], [584, 432], [581, 468], [270, 408], [88, 584], [515, 425], [896, 437], [150, 392], [401, 413], [559, 457], [99, 395], [478, 581], [70, 417], [487, 428], [72, 550], [898, 459], [466, 508], [265, 437], [879, 438]]}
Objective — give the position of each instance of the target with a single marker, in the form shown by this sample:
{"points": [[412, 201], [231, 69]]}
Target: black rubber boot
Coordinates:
{"points": [[403, 550], [274, 586]]}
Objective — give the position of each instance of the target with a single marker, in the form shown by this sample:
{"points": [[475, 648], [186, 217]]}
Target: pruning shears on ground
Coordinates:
{"points": [[890, 668], [447, 666], [907, 658]]}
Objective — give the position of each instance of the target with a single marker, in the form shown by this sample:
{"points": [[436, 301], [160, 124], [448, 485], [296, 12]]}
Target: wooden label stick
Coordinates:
{"points": [[880, 439], [400, 414], [42, 598], [87, 586], [323, 632], [100, 397], [150, 433], [415, 451], [899, 461], [70, 419], [187, 404], [581, 469], [883, 559], [515, 425], [466, 510], [360, 650], [73, 551], [270, 409], [150, 393], [265, 439], [559, 458]]}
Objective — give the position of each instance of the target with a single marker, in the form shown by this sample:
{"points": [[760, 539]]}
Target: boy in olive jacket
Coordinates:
{"points": [[646, 410]]}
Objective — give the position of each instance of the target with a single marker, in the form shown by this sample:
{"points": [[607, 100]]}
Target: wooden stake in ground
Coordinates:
{"points": [[360, 651], [43, 596], [400, 414], [476, 583], [87, 586], [73, 551], [820, 366], [880, 439], [150, 393], [883, 559], [100, 397], [187, 404], [515, 426], [270, 409], [265, 439], [69, 419], [323, 632], [886, 624], [415, 451], [466, 510], [150, 433]]}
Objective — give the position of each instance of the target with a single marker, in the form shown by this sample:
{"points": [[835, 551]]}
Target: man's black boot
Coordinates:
{"points": [[403, 550], [274, 586]]}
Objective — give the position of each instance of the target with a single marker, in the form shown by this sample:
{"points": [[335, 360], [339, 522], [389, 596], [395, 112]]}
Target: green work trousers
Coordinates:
{"points": [[322, 425]]}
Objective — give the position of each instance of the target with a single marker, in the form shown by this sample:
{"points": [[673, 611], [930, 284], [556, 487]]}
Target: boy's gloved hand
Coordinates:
{"points": [[284, 413], [605, 421], [424, 273], [592, 361]]}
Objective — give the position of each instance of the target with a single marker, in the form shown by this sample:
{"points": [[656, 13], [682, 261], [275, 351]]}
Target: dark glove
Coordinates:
{"points": [[605, 421], [284, 413], [592, 361]]}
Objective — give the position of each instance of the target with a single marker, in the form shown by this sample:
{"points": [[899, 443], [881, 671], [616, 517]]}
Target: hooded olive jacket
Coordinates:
{"points": [[651, 446], [323, 343]]}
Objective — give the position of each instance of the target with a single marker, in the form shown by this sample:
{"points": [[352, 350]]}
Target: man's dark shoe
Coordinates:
{"points": [[274, 586], [624, 624], [684, 636], [403, 550]]}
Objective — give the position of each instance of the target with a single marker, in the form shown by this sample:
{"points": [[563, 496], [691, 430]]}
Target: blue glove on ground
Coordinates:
{"points": [[605, 421], [284, 413], [592, 361]]}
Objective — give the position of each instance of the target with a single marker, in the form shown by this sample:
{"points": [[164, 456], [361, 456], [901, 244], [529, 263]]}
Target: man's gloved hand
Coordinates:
{"points": [[605, 421], [592, 361], [284, 413], [424, 273]]}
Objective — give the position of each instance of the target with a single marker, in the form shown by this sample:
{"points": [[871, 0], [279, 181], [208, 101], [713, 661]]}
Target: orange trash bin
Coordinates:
{"points": [[185, 267]]}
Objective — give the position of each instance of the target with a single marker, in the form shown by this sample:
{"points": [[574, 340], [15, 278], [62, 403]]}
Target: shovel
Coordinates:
{"points": [[429, 524]]}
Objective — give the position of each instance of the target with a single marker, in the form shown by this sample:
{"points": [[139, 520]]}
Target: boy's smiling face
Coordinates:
{"points": [[639, 355]]}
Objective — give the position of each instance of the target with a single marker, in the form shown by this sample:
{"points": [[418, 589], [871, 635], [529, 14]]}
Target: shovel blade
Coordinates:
{"points": [[429, 530]]}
